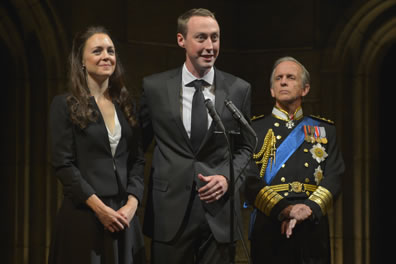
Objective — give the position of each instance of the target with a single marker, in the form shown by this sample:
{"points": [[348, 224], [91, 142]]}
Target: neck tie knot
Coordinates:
{"points": [[198, 84]]}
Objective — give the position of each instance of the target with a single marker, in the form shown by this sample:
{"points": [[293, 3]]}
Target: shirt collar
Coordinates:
{"points": [[188, 77]]}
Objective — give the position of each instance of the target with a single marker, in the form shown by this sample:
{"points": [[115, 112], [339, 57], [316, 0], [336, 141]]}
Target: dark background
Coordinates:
{"points": [[348, 46]]}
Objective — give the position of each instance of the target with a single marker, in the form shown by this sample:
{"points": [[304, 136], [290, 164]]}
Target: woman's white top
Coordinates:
{"points": [[114, 137]]}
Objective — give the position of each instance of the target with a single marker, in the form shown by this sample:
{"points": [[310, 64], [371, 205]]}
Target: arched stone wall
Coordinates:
{"points": [[34, 42], [351, 67]]}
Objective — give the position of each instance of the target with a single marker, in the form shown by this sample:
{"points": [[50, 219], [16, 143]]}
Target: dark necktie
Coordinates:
{"points": [[199, 116]]}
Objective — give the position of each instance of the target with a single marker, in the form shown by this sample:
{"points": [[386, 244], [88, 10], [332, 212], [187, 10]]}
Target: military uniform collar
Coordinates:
{"points": [[283, 115]]}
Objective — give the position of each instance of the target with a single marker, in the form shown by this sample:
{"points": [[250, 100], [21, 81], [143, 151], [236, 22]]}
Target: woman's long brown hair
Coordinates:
{"points": [[82, 111]]}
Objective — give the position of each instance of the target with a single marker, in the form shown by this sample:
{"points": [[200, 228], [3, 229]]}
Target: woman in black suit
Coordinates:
{"points": [[97, 156]]}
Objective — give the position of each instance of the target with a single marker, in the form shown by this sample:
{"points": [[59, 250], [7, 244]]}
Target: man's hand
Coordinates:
{"points": [[300, 212], [287, 227], [292, 215], [216, 186], [285, 213]]}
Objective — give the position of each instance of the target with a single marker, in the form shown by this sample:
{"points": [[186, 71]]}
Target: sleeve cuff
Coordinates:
{"points": [[266, 199], [323, 198]]}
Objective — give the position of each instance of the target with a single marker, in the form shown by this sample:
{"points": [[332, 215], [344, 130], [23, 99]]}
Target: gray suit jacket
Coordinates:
{"points": [[175, 166]]}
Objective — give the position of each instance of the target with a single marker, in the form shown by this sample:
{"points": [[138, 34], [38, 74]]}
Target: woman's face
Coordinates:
{"points": [[99, 57]]}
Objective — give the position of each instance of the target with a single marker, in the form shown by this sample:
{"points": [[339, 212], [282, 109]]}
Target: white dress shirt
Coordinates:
{"points": [[188, 93]]}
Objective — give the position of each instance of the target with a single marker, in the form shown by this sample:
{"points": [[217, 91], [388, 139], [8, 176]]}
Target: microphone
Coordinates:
{"points": [[213, 113], [239, 116]]}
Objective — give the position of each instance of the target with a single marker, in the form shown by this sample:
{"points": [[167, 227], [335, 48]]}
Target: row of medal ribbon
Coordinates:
{"points": [[315, 134]]}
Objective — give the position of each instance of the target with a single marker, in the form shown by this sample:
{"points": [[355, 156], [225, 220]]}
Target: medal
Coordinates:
{"points": [[311, 131], [322, 132], [307, 139], [318, 152], [317, 135], [318, 175], [290, 124]]}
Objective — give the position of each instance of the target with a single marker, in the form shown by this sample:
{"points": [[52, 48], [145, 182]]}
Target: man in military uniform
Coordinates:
{"points": [[294, 176]]}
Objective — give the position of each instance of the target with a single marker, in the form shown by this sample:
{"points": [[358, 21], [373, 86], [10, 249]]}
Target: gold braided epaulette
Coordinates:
{"points": [[267, 152], [322, 119], [256, 117]]}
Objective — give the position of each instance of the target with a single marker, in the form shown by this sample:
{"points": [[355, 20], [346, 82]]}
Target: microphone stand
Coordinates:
{"points": [[229, 136], [230, 141]]}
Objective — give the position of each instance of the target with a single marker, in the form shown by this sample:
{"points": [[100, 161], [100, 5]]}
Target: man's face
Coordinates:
{"points": [[202, 44], [287, 86]]}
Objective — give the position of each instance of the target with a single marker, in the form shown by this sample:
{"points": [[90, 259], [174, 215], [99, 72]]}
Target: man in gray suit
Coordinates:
{"points": [[188, 208]]}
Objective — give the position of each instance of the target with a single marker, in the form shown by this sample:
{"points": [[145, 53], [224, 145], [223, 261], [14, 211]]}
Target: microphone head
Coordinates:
{"points": [[215, 116], [229, 104], [239, 116], [235, 112], [209, 105]]}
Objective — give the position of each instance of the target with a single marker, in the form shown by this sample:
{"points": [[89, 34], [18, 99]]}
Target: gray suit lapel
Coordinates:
{"points": [[173, 86], [220, 92]]}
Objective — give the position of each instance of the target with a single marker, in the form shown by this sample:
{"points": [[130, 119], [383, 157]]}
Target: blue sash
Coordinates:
{"points": [[287, 148]]}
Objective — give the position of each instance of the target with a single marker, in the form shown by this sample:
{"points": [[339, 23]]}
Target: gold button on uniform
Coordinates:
{"points": [[278, 137], [306, 150], [283, 179], [276, 124], [306, 164]]}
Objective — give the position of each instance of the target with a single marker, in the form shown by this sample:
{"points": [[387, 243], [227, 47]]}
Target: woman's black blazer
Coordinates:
{"points": [[82, 158]]}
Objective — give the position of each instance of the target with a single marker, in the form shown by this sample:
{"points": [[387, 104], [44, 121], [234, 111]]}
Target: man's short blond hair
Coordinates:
{"points": [[183, 19]]}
